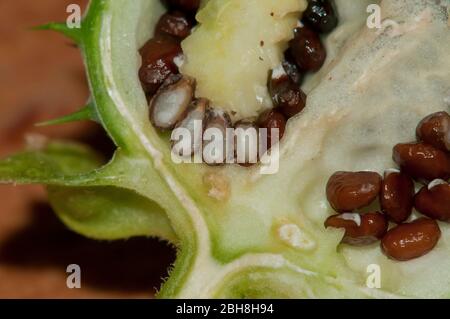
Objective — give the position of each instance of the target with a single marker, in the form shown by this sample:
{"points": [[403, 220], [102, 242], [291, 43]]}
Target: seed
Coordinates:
{"points": [[347, 191], [184, 5], [307, 49], [292, 69], [397, 196], [175, 24], [287, 96], [194, 117], [171, 102], [360, 229], [435, 130], [246, 143], [412, 240], [434, 200], [422, 162], [158, 64], [320, 16], [272, 120], [217, 120]]}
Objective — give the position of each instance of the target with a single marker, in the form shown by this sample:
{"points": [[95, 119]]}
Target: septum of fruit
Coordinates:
{"points": [[237, 234]]}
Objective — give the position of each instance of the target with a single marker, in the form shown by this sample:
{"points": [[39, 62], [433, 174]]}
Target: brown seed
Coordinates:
{"points": [[170, 103], [184, 5], [176, 24], [194, 122], [287, 96], [158, 64], [360, 229], [272, 120], [422, 162], [307, 49], [246, 143], [218, 121], [412, 240], [292, 69], [347, 191], [397, 196], [435, 130], [434, 200]]}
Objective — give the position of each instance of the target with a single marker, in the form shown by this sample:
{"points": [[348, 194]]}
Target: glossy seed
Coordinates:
{"points": [[307, 49], [320, 16], [291, 69], [193, 122], [434, 200], [158, 64], [360, 229], [286, 95], [348, 191], [274, 122], [217, 123], [422, 161], [435, 130], [176, 24], [412, 240], [397, 196], [170, 103]]}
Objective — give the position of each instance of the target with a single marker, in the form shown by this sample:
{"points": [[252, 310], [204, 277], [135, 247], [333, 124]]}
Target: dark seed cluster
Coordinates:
{"points": [[427, 162], [172, 98]]}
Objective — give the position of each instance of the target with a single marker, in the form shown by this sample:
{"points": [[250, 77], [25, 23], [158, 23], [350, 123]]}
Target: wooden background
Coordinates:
{"points": [[42, 77]]}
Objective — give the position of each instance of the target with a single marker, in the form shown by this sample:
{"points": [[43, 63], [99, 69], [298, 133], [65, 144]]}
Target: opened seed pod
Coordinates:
{"points": [[240, 232]]}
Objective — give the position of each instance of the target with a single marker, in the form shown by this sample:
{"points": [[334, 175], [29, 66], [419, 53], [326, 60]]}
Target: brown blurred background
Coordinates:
{"points": [[41, 78]]}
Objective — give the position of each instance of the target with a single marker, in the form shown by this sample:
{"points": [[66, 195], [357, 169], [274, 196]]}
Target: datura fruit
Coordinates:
{"points": [[240, 233]]}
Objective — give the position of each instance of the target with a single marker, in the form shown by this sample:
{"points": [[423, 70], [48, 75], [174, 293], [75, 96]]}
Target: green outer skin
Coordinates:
{"points": [[125, 138], [224, 249], [81, 199]]}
